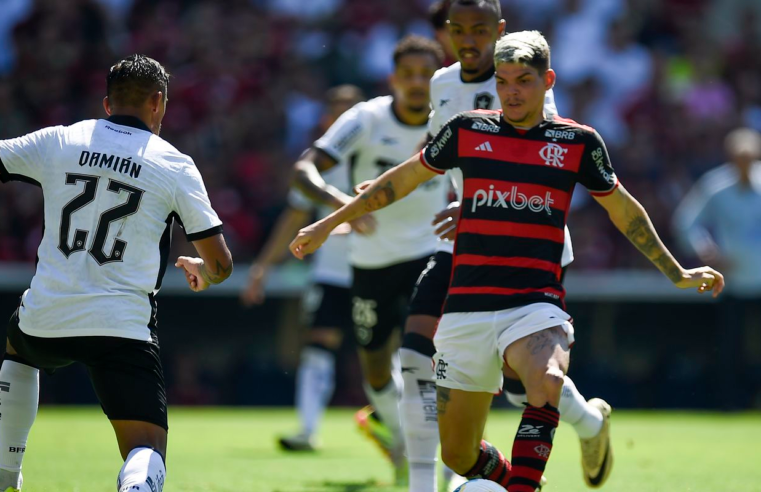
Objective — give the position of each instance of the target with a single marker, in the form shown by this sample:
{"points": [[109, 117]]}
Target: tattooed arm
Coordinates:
{"points": [[213, 267], [628, 215], [391, 186], [307, 178]]}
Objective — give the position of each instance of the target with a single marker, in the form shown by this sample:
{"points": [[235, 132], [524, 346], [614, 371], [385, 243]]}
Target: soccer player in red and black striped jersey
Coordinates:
{"points": [[506, 303]]}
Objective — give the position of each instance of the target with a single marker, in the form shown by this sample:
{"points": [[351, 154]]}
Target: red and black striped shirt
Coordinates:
{"points": [[516, 196]]}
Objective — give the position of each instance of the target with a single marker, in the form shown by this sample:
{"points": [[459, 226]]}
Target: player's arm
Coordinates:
{"points": [[288, 224], [389, 187], [307, 178], [630, 217], [214, 266]]}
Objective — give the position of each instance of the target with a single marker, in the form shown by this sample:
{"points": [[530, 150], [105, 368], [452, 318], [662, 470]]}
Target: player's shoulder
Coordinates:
{"points": [[485, 116], [375, 106], [446, 75], [561, 128], [718, 179]]}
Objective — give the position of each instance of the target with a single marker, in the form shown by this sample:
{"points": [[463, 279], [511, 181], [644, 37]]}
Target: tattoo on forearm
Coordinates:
{"points": [[217, 276], [442, 399], [642, 234], [379, 196]]}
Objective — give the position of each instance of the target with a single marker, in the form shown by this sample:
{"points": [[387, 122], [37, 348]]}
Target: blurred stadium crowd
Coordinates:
{"points": [[662, 80]]}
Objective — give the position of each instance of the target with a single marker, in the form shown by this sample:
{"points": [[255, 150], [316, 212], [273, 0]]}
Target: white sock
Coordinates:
{"points": [[574, 410], [386, 402], [315, 383], [19, 397], [419, 420], [143, 470]]}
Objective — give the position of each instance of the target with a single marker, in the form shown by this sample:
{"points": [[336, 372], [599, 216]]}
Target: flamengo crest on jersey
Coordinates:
{"points": [[516, 194], [112, 191], [372, 140]]}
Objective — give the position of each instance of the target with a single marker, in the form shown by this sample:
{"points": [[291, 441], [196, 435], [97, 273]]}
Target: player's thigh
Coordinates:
{"points": [[376, 363], [462, 418], [129, 381], [534, 337], [375, 307], [429, 295]]}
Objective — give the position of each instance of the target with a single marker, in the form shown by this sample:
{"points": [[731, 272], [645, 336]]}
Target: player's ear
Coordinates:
{"points": [[157, 101], [107, 105], [549, 79], [501, 26]]}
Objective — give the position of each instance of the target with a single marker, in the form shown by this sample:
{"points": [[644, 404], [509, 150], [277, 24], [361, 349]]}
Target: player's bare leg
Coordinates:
{"points": [[462, 418], [19, 396], [315, 382], [541, 360], [590, 419], [143, 448]]}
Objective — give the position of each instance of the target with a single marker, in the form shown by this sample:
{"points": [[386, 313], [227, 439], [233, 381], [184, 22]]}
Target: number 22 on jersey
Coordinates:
{"points": [[106, 218]]}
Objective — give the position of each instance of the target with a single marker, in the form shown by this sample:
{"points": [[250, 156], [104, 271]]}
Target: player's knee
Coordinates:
{"points": [[545, 386]]}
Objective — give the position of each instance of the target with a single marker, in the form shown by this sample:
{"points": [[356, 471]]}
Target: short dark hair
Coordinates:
{"points": [[418, 45], [492, 5], [350, 94], [438, 13], [527, 47], [134, 79]]}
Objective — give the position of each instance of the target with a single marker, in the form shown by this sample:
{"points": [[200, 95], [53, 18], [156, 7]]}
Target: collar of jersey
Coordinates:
{"points": [[481, 78], [524, 131], [124, 120]]}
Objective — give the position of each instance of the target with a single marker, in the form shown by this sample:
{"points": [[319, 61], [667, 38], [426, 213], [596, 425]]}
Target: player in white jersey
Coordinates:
{"points": [[373, 137], [328, 300], [474, 27], [112, 190]]}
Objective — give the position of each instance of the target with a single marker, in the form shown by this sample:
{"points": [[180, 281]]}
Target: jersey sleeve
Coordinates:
{"points": [[297, 200], [193, 206], [595, 172], [346, 134], [24, 158], [440, 154]]}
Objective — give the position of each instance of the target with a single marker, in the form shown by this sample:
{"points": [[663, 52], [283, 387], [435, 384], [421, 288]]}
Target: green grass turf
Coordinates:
{"points": [[233, 450]]}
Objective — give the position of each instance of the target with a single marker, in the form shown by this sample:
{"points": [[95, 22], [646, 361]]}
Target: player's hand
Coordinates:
{"points": [[192, 268], [704, 279], [364, 226], [253, 293], [446, 221], [309, 239]]}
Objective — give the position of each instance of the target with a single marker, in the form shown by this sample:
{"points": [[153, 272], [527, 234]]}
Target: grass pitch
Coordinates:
{"points": [[233, 450]]}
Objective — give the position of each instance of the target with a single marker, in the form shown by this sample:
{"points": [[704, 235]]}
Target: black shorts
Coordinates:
{"points": [[380, 300], [126, 374], [432, 286], [329, 306]]}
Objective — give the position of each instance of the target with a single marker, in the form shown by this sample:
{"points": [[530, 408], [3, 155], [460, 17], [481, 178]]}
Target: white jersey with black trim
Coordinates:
{"points": [[451, 95], [112, 190], [372, 140], [331, 262]]}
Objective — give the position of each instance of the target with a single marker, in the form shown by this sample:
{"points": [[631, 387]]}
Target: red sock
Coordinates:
{"points": [[532, 447], [491, 465]]}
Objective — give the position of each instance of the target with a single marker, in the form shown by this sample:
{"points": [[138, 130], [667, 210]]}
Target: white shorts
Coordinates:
{"points": [[470, 346]]}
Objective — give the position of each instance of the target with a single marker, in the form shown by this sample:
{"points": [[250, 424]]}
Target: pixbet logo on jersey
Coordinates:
{"points": [[512, 199]]}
